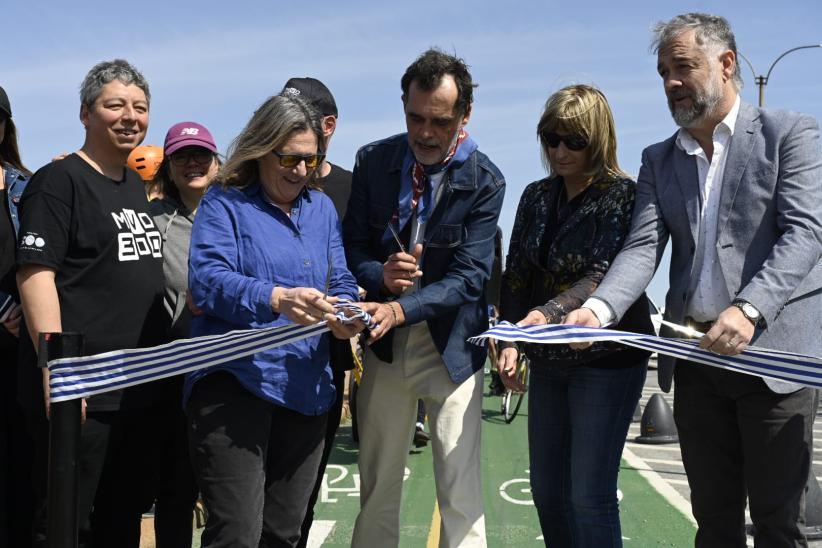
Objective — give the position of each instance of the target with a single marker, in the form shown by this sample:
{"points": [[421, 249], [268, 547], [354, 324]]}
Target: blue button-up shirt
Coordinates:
{"points": [[242, 246]]}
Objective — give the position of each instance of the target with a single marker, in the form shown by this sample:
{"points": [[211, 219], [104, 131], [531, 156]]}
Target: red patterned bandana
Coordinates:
{"points": [[419, 177]]}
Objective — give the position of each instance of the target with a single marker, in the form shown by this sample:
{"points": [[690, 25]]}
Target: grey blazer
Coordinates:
{"points": [[769, 234]]}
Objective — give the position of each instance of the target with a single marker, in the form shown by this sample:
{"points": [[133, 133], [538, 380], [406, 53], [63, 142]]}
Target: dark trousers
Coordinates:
{"points": [[578, 417], [255, 462], [175, 490], [113, 472], [147, 460], [739, 438], [127, 471], [334, 416], [16, 453]]}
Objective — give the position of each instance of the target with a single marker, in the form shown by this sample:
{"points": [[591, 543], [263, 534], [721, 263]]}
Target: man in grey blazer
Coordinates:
{"points": [[738, 190]]}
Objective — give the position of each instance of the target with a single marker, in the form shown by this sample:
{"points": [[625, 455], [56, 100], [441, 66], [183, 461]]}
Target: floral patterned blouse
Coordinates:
{"points": [[560, 252]]}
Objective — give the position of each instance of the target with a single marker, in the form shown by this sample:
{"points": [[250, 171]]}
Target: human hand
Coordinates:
{"points": [[730, 334], [12, 323], [342, 330], [507, 369], [584, 317], [400, 270], [534, 317], [301, 305], [386, 315], [193, 308]]}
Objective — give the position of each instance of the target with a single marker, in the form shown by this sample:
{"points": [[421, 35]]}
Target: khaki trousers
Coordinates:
{"points": [[386, 411]]}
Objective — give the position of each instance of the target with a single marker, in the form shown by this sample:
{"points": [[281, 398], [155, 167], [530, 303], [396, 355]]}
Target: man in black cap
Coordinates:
{"points": [[336, 183], [331, 179]]}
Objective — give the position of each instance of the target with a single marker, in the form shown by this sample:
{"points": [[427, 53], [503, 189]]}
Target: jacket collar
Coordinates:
{"points": [[12, 177], [255, 190], [739, 152], [462, 178]]}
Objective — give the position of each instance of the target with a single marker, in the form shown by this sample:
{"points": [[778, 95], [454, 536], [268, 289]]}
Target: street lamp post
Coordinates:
{"points": [[762, 81]]}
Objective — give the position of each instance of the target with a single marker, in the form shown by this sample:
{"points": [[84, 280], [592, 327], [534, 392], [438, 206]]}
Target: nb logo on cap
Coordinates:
{"points": [[190, 131]]}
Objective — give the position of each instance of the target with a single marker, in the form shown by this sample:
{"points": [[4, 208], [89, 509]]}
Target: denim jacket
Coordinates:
{"points": [[458, 249], [15, 185]]}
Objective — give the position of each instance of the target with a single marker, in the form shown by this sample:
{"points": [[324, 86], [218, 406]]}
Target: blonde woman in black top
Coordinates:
{"points": [[568, 228]]}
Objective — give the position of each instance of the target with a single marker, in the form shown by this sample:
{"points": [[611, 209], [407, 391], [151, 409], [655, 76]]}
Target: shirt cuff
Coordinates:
{"points": [[601, 310]]}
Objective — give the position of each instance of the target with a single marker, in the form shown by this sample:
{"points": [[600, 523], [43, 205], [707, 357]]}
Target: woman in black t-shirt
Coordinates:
{"points": [[90, 261]]}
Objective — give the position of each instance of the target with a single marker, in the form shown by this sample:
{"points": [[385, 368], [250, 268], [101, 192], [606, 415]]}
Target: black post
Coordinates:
{"points": [[64, 446]]}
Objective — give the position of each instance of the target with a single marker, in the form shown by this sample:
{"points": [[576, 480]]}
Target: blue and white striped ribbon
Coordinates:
{"points": [[762, 362], [72, 378]]}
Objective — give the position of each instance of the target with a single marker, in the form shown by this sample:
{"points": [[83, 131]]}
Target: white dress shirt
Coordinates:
{"points": [[710, 292]]}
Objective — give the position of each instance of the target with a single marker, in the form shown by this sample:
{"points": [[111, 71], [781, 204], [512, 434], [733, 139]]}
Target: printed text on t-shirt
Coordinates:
{"points": [[142, 238]]}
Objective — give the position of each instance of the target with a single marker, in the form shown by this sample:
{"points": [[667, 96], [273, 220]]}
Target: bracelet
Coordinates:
{"points": [[394, 313]]}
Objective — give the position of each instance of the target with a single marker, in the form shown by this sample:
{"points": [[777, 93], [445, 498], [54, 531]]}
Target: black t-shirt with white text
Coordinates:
{"points": [[99, 237]]}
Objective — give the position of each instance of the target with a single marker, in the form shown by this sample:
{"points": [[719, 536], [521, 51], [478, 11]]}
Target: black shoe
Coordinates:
{"points": [[421, 437]]}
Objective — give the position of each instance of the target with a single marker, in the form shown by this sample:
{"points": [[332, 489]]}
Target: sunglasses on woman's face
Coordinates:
{"points": [[293, 160], [573, 142], [199, 156]]}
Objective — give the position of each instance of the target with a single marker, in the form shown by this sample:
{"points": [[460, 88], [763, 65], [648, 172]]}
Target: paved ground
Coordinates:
{"points": [[662, 464], [655, 508], [510, 516]]}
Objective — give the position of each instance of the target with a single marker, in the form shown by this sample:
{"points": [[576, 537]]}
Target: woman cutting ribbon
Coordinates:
{"points": [[569, 227], [265, 251]]}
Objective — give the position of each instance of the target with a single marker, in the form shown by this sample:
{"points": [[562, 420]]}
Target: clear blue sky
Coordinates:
{"points": [[215, 62]]}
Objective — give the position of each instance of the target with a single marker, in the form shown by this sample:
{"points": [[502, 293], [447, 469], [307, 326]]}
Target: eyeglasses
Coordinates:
{"points": [[573, 142], [199, 156], [293, 160]]}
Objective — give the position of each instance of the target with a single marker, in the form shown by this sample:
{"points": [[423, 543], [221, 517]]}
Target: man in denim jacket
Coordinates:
{"points": [[419, 237]]}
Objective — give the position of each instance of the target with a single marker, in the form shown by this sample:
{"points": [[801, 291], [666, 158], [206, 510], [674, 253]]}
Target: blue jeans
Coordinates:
{"points": [[578, 418]]}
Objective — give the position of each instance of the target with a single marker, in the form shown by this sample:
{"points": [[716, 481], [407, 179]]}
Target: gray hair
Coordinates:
{"points": [[713, 33], [271, 125], [107, 71]]}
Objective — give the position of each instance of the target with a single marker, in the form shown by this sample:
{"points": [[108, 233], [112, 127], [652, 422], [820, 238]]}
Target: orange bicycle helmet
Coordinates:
{"points": [[146, 160]]}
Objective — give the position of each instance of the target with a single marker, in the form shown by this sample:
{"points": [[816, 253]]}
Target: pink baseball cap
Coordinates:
{"points": [[188, 134]]}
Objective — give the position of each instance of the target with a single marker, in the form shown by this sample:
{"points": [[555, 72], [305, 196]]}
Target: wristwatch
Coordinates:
{"points": [[749, 311]]}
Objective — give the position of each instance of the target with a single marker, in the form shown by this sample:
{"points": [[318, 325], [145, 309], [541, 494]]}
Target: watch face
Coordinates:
{"points": [[750, 311]]}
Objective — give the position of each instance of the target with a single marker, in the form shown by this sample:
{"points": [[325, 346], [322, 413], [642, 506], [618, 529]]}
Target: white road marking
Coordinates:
{"points": [[664, 461], [320, 530], [659, 484]]}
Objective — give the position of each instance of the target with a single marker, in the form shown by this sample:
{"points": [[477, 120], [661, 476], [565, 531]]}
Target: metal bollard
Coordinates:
{"points": [[64, 446]]}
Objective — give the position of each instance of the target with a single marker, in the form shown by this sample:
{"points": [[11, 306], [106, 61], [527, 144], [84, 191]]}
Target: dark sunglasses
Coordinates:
{"points": [[573, 142], [293, 160], [199, 156]]}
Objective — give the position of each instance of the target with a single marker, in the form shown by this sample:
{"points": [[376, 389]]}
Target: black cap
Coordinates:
{"points": [[313, 92], [5, 106]]}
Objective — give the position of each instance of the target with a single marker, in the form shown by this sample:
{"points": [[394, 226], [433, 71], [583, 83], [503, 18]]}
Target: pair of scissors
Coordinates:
{"points": [[689, 331]]}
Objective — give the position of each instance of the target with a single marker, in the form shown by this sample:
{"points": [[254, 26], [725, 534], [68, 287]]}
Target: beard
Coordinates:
{"points": [[703, 103]]}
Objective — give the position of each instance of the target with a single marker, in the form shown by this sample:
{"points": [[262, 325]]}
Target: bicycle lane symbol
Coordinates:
{"points": [[517, 491], [334, 481]]}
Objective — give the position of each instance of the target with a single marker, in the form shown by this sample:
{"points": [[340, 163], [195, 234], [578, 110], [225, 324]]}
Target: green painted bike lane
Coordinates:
{"points": [[647, 518]]}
